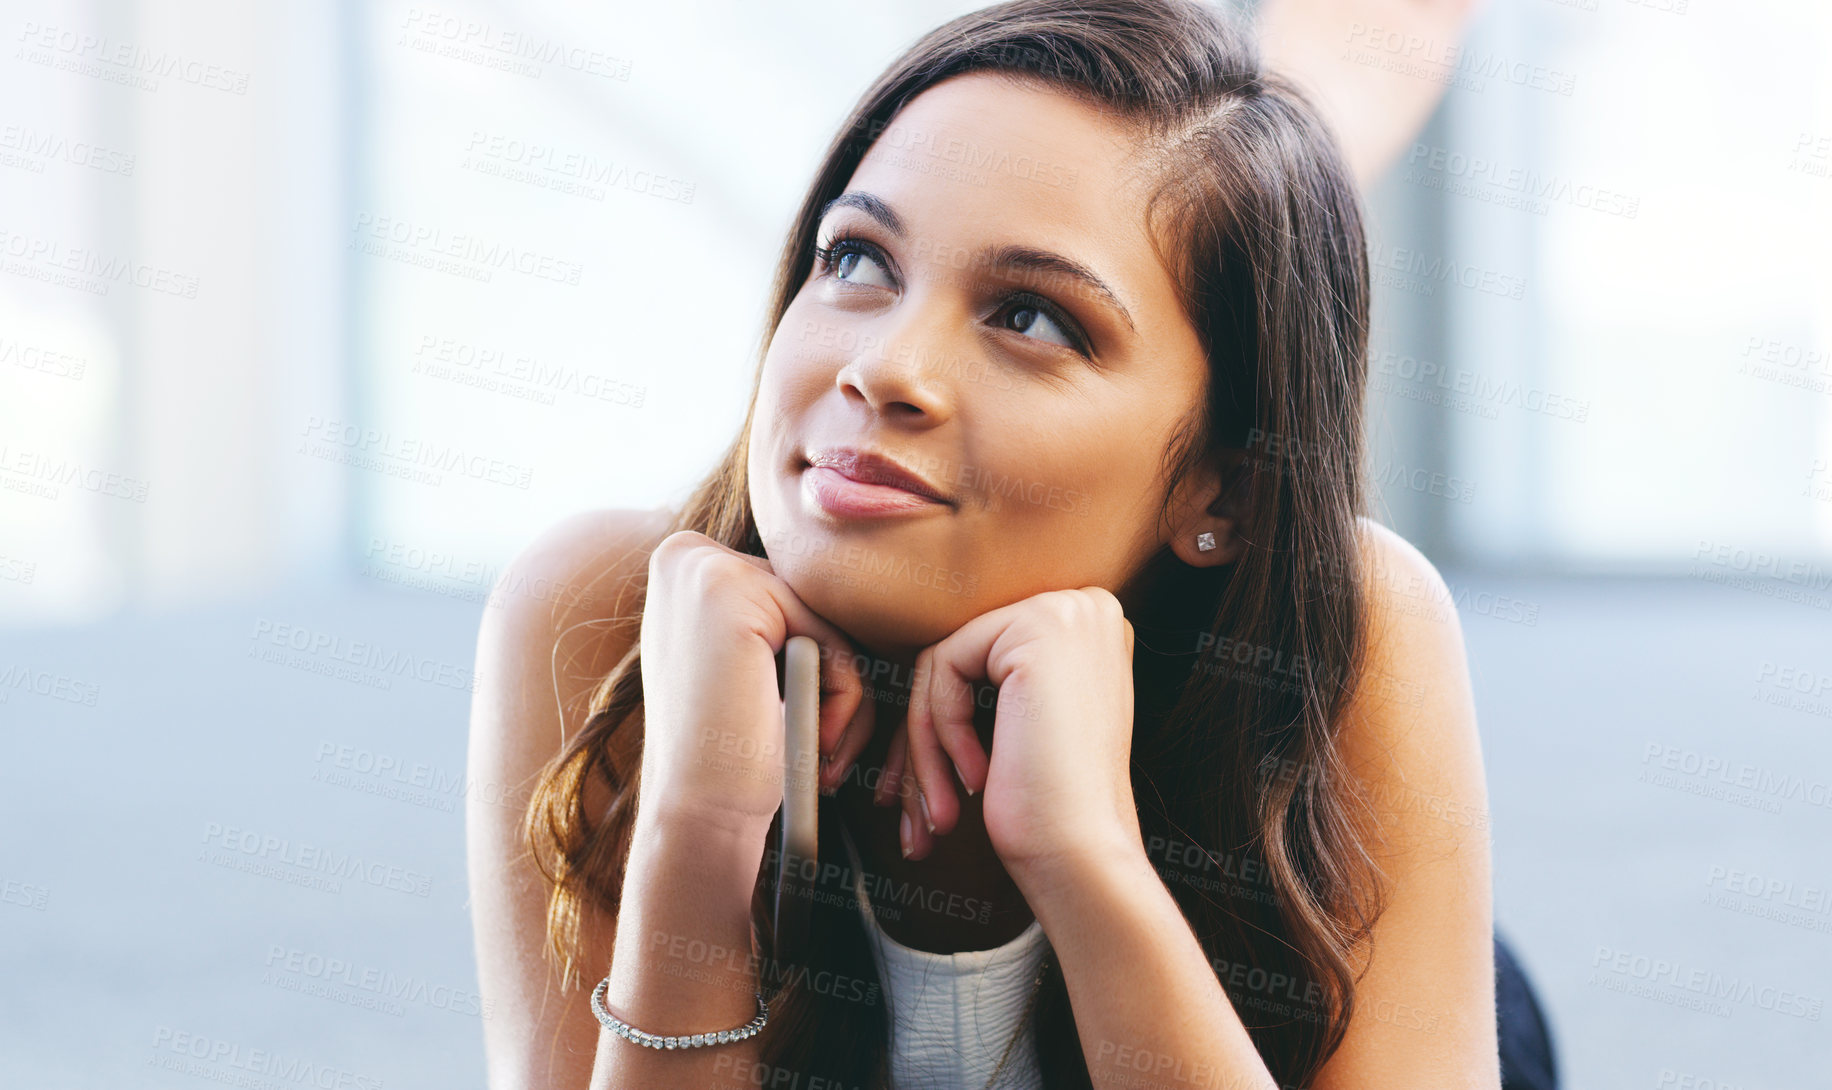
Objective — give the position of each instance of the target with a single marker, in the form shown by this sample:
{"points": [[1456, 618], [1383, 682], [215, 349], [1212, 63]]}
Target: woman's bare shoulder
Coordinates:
{"points": [[581, 567], [564, 612], [1412, 720], [1409, 737]]}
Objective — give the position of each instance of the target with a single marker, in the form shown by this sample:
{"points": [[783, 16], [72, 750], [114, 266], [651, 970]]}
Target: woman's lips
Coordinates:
{"points": [[842, 497]]}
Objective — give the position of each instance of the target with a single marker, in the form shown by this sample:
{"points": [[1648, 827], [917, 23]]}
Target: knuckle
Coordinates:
{"points": [[1057, 605], [1103, 599], [1103, 606], [716, 571], [681, 540], [671, 550]]}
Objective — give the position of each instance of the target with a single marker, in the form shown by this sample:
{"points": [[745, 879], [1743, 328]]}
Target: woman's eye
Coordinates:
{"points": [[855, 266], [1034, 322]]}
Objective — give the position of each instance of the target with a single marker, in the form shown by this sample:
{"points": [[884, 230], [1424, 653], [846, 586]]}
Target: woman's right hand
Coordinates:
{"points": [[713, 625]]}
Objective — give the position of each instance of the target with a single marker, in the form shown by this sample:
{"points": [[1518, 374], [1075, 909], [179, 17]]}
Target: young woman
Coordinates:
{"points": [[1149, 760]]}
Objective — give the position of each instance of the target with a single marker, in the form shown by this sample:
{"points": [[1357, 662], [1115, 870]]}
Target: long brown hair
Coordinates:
{"points": [[1242, 672]]}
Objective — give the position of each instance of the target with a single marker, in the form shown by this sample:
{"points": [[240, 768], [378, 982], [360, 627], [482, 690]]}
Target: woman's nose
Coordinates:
{"points": [[906, 373]]}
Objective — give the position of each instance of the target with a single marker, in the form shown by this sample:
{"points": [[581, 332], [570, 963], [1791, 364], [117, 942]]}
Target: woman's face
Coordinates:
{"points": [[993, 318]]}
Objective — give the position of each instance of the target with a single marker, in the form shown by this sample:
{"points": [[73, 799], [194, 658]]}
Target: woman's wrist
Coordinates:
{"points": [[1043, 871], [717, 829], [683, 962]]}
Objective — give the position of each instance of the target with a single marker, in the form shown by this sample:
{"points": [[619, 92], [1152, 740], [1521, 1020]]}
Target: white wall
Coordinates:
{"points": [[278, 421]]}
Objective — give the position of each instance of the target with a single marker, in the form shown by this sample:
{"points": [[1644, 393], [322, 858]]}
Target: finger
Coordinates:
{"points": [[918, 838], [958, 661], [895, 787], [842, 690], [858, 735], [890, 780], [937, 805]]}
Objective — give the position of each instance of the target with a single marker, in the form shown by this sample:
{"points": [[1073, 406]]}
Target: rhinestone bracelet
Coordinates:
{"points": [[693, 1040]]}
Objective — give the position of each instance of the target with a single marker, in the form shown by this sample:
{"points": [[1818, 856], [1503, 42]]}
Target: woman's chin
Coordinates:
{"points": [[878, 614]]}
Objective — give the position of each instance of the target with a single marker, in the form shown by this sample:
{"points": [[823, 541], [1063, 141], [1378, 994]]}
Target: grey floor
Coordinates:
{"points": [[164, 796]]}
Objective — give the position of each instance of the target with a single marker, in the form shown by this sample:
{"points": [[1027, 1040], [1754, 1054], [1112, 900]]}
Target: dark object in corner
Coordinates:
{"points": [[1528, 1061]]}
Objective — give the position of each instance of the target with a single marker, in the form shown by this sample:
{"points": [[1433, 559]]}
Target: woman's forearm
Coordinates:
{"points": [[682, 959], [1148, 1008]]}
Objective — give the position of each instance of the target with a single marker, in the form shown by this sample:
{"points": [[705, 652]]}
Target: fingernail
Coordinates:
{"points": [[904, 833], [923, 801]]}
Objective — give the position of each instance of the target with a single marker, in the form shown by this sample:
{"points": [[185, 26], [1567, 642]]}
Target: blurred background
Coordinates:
{"points": [[311, 315]]}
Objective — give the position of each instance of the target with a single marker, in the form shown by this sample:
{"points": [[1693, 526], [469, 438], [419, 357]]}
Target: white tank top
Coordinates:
{"points": [[951, 1015]]}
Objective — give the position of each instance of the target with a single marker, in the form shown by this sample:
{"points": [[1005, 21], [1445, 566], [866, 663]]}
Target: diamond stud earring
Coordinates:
{"points": [[1205, 541]]}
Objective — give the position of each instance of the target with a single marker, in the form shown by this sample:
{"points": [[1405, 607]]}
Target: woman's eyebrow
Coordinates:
{"points": [[1023, 259], [867, 204]]}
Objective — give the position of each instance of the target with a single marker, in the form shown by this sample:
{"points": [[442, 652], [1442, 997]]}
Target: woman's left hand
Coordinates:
{"points": [[1058, 779]]}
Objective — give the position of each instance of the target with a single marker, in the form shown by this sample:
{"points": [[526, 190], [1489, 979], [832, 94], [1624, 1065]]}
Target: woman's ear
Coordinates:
{"points": [[1207, 528]]}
